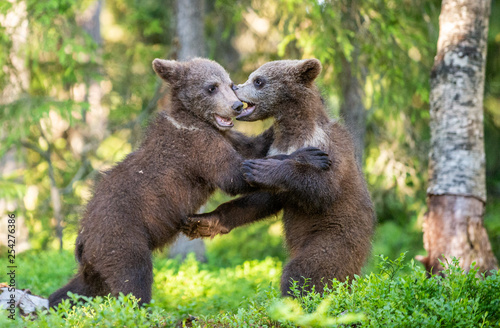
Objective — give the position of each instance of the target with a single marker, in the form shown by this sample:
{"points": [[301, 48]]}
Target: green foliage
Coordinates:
{"points": [[58, 54], [290, 310], [102, 312], [399, 295], [393, 299], [11, 189], [371, 39], [44, 272], [62, 61]]}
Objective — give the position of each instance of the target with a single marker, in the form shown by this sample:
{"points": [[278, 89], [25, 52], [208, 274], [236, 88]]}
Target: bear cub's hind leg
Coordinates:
{"points": [[77, 285], [134, 276]]}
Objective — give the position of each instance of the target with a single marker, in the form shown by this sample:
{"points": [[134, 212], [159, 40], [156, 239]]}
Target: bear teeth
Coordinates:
{"points": [[223, 121], [248, 108]]}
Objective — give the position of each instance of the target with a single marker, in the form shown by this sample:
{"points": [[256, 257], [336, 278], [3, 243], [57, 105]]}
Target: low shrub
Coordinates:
{"points": [[399, 294], [395, 299]]}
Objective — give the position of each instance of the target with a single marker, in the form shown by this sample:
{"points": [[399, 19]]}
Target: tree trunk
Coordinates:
{"points": [[453, 225], [352, 80], [190, 29], [97, 117], [353, 110]]}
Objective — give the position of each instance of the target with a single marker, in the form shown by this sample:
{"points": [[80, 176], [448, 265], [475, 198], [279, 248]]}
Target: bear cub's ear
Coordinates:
{"points": [[308, 70], [166, 69]]}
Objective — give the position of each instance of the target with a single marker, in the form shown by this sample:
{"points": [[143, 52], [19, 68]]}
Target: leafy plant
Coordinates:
{"points": [[246, 295]]}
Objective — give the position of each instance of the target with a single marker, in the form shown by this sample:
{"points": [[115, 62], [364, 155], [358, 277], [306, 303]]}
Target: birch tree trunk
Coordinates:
{"points": [[453, 225], [190, 32]]}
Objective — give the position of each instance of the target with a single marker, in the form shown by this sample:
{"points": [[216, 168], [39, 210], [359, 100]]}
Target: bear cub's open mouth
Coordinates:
{"points": [[223, 121], [248, 109]]}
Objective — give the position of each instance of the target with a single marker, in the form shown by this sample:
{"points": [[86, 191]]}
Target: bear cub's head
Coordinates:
{"points": [[202, 87], [276, 84]]}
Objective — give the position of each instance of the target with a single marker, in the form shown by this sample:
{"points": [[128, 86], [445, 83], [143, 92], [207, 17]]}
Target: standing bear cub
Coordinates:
{"points": [[138, 205], [328, 215]]}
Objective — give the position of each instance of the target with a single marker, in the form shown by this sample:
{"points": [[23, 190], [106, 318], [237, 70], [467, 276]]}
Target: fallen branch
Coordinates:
{"points": [[11, 298]]}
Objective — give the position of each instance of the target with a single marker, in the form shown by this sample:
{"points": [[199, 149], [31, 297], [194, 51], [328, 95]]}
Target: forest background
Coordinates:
{"points": [[78, 91]]}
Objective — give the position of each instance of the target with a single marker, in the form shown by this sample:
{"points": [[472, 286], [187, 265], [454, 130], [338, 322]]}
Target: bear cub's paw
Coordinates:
{"points": [[272, 172], [312, 156], [202, 226]]}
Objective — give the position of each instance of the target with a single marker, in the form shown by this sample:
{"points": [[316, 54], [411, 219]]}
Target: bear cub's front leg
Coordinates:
{"points": [[275, 172]]}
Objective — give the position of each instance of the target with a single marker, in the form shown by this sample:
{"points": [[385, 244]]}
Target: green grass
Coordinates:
{"points": [[239, 287]]}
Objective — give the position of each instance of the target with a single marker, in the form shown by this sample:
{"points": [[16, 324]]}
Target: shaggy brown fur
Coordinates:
{"points": [[138, 205], [328, 215]]}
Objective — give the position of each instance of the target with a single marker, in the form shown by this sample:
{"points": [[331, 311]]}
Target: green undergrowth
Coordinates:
{"points": [[247, 295]]}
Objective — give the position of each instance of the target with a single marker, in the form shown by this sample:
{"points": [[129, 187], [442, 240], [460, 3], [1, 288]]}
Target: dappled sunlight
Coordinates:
{"points": [[31, 198], [112, 31], [386, 170]]}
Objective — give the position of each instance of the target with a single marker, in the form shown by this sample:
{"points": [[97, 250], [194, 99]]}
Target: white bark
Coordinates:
{"points": [[453, 226], [457, 158]]}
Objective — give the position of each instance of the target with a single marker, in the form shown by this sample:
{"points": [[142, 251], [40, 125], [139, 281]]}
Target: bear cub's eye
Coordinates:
{"points": [[259, 82], [212, 88]]}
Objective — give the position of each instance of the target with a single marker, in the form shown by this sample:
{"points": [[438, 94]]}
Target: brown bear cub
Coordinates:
{"points": [[138, 205], [328, 214]]}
